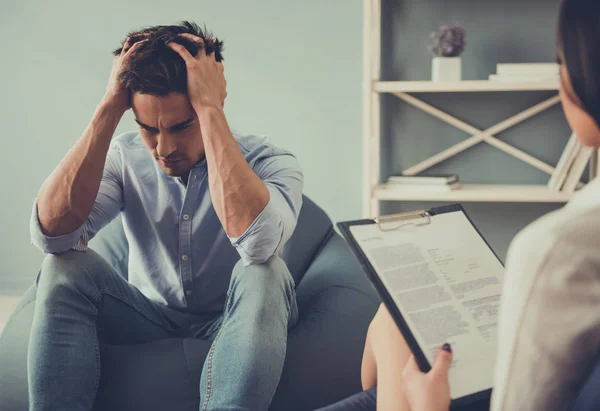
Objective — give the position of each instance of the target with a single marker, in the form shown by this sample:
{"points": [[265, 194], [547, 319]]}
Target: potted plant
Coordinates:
{"points": [[448, 43]]}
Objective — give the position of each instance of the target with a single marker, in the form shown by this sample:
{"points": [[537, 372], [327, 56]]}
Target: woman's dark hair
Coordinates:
{"points": [[578, 42], [155, 68]]}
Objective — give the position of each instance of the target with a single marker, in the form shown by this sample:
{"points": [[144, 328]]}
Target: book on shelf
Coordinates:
{"points": [[528, 69], [525, 79], [430, 183], [570, 167], [430, 179], [430, 188], [564, 163], [573, 179]]}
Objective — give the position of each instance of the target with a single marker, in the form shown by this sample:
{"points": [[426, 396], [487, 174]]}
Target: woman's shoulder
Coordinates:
{"points": [[558, 250], [550, 299], [574, 229]]}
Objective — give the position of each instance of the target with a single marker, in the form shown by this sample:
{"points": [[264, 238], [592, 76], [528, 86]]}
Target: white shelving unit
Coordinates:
{"points": [[374, 191], [458, 87], [473, 193]]}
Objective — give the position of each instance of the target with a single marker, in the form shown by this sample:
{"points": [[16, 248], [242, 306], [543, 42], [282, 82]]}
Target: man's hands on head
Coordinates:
{"points": [[207, 87], [117, 96], [66, 198], [238, 194]]}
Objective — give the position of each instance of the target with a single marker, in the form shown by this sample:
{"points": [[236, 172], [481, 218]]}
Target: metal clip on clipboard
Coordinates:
{"points": [[403, 220]]}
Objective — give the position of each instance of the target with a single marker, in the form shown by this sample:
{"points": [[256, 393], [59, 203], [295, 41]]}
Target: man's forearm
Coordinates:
{"points": [[237, 193], [66, 198]]}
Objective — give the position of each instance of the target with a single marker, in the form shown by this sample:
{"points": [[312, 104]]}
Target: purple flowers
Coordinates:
{"points": [[448, 41]]}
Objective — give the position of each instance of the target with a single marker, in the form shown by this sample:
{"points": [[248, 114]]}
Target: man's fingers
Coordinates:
{"points": [[182, 51], [190, 36], [126, 46], [133, 48], [443, 360], [198, 42], [129, 42]]}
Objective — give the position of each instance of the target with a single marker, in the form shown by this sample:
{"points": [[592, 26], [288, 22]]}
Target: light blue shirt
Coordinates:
{"points": [[179, 253]]}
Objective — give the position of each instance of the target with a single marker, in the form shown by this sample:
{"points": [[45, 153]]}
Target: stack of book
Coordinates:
{"points": [[571, 166], [527, 73], [433, 182]]}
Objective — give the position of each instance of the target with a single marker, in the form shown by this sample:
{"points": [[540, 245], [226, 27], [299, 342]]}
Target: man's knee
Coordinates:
{"points": [[72, 270], [267, 281]]}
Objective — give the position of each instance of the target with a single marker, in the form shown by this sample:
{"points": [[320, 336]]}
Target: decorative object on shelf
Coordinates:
{"points": [[448, 44], [527, 73]]}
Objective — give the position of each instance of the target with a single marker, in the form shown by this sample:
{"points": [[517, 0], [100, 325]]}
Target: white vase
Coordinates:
{"points": [[446, 69]]}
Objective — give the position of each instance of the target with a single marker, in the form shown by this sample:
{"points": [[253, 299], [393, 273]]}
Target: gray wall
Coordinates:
{"points": [[294, 72], [497, 32]]}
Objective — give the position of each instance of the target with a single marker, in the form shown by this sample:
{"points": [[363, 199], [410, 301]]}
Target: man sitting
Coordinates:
{"points": [[191, 193]]}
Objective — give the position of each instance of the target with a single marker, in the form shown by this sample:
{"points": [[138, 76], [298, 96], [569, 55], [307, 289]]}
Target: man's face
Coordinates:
{"points": [[169, 127]]}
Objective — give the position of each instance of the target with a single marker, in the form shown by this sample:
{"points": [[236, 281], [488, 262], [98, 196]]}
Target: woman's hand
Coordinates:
{"points": [[431, 391]]}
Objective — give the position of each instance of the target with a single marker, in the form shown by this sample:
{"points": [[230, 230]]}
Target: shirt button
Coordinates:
{"points": [[186, 217], [189, 292], [184, 257]]}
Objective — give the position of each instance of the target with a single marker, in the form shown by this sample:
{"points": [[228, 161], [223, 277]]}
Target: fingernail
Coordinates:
{"points": [[446, 347]]}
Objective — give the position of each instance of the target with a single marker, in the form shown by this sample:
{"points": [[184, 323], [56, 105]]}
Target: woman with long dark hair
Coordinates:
{"points": [[549, 329]]}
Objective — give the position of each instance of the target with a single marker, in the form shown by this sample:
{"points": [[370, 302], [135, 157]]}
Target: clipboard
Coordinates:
{"points": [[396, 222]]}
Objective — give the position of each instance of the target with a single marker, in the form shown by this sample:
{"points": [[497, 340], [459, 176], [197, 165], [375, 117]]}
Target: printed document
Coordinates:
{"points": [[446, 282]]}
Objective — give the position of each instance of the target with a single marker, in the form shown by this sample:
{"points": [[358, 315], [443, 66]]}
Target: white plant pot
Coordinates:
{"points": [[446, 69]]}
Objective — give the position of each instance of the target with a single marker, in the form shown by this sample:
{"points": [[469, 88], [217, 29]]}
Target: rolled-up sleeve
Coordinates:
{"points": [[107, 206], [273, 227]]}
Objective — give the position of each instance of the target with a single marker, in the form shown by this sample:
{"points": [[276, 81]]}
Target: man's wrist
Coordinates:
{"points": [[208, 110], [108, 114], [110, 107]]}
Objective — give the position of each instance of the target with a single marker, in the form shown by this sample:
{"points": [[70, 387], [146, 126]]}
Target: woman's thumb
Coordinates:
{"points": [[443, 361], [411, 368]]}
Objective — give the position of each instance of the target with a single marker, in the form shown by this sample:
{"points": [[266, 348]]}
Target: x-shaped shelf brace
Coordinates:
{"points": [[478, 136]]}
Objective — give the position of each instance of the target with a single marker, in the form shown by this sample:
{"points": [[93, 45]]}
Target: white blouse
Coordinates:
{"points": [[549, 326]]}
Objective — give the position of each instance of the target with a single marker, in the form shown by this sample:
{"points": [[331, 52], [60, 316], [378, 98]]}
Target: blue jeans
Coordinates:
{"points": [[81, 300]]}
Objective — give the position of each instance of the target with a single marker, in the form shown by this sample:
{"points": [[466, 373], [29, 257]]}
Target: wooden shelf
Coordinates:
{"points": [[414, 93], [459, 86], [473, 193]]}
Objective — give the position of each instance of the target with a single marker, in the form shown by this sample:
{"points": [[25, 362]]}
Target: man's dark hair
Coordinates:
{"points": [[155, 68]]}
